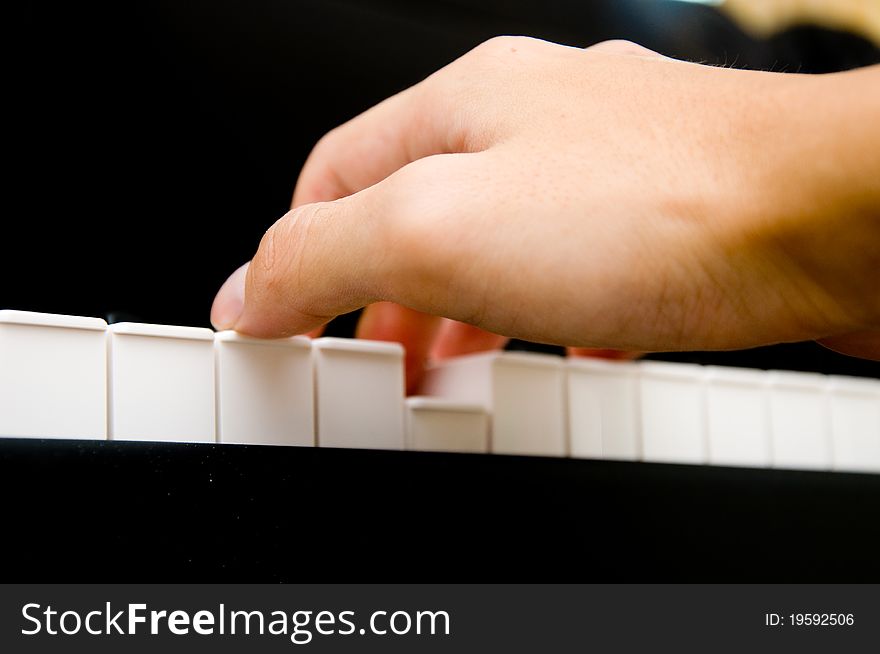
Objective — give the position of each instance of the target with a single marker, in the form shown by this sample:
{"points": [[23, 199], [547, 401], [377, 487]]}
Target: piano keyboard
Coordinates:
{"points": [[78, 378]]}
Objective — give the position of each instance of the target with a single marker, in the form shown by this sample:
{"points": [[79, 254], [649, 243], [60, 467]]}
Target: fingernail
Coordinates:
{"points": [[229, 302]]}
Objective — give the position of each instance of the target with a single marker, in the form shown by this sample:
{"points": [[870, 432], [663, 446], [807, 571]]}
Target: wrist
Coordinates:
{"points": [[814, 200]]}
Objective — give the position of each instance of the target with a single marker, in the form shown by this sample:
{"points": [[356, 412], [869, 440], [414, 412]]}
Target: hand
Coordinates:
{"points": [[603, 198]]}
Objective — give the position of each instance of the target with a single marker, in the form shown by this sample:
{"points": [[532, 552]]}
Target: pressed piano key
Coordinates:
{"points": [[799, 420], [855, 423], [161, 383], [265, 390], [673, 412], [523, 392], [603, 409], [53, 376], [738, 412], [359, 389], [437, 425]]}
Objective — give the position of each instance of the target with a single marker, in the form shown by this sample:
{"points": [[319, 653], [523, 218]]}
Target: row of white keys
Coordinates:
{"points": [[329, 391], [524, 394], [181, 383], [725, 416], [654, 411], [167, 383]]}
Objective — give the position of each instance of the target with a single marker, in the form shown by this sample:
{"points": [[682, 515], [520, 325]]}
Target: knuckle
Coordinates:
{"points": [[620, 46], [287, 269], [491, 70], [325, 149], [327, 142], [282, 247], [264, 267], [503, 45]]}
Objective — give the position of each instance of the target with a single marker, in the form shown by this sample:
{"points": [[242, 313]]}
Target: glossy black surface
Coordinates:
{"points": [[113, 511]]}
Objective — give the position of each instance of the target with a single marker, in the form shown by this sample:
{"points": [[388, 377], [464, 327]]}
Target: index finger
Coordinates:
{"points": [[442, 114], [411, 125]]}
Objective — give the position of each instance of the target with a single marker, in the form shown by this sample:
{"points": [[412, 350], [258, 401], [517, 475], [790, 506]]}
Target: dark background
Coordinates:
{"points": [[148, 145]]}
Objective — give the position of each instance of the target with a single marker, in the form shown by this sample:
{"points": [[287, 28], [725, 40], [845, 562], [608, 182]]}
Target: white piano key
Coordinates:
{"points": [[523, 392], [437, 425], [738, 415], [603, 409], [265, 390], [161, 383], [53, 376], [855, 423], [359, 388], [673, 403], [799, 420]]}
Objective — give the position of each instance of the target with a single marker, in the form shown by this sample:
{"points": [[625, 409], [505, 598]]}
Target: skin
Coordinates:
{"points": [[608, 199]]}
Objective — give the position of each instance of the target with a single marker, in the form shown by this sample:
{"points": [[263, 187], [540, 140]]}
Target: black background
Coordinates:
{"points": [[148, 145]]}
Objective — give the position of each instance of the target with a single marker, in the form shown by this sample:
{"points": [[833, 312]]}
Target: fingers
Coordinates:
{"points": [[448, 112], [328, 258], [385, 321], [368, 228], [316, 332], [418, 122], [370, 147], [314, 263], [456, 338]]}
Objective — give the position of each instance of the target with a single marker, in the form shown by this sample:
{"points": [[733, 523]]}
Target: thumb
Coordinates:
{"points": [[316, 262]]}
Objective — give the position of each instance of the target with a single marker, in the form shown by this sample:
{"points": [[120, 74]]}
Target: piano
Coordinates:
{"points": [[185, 453], [149, 146]]}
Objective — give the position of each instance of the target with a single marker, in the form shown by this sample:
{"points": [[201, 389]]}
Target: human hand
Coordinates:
{"points": [[602, 198]]}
